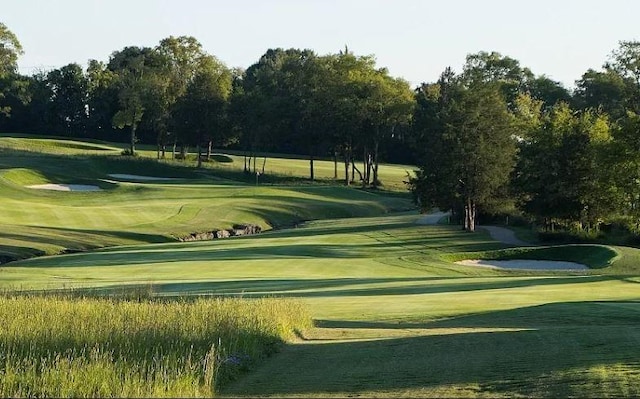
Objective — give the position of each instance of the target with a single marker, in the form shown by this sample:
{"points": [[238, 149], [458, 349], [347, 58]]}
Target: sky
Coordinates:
{"points": [[413, 39]]}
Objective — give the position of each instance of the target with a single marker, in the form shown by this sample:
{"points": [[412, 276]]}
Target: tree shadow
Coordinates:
{"points": [[545, 355], [344, 287]]}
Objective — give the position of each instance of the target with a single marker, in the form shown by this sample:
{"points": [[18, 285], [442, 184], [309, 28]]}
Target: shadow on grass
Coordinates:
{"points": [[344, 287], [550, 356], [56, 236]]}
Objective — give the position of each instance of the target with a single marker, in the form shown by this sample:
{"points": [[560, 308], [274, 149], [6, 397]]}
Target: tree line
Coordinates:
{"points": [[497, 139], [177, 96], [492, 138]]}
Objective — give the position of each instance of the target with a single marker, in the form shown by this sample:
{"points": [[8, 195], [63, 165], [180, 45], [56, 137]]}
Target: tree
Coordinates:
{"points": [[494, 68], [560, 172], [10, 49], [68, 104], [605, 90], [549, 91], [202, 108], [136, 72], [102, 101], [470, 146], [182, 56]]}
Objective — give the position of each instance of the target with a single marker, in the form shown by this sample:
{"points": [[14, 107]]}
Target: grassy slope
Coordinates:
{"points": [[395, 317], [39, 222]]}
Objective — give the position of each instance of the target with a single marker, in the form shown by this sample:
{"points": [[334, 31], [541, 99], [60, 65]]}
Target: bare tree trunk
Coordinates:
{"points": [[245, 162], [365, 164], [376, 182], [132, 147], [355, 168], [311, 171], [346, 168], [158, 150], [199, 151], [164, 151], [209, 145], [470, 215], [173, 150], [264, 163], [335, 164]]}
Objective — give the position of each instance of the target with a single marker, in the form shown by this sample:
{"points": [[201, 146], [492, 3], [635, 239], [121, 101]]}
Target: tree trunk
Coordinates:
{"points": [[355, 168], [132, 147], [163, 151], [375, 164], [346, 169], [209, 145], [264, 163], [311, 171], [365, 166], [335, 164], [199, 151], [470, 215], [173, 150], [158, 150]]}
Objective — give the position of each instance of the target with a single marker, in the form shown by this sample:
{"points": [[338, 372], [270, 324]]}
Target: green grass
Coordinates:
{"points": [[84, 347], [36, 222], [394, 315], [593, 256]]}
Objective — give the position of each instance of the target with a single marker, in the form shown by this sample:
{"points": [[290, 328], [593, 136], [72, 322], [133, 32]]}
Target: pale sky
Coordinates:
{"points": [[414, 39]]}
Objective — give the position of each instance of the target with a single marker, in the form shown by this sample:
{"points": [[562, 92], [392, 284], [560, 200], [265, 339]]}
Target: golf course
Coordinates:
{"points": [[347, 292]]}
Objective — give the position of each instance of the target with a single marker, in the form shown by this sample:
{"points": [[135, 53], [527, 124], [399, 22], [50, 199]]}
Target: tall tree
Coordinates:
{"points": [[182, 56], [10, 49], [472, 147], [68, 103], [606, 90], [494, 68], [203, 106], [102, 102], [560, 169], [137, 72]]}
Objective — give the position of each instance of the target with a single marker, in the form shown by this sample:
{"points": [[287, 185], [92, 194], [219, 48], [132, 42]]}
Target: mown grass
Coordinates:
{"points": [[394, 316], [37, 222], [88, 347]]}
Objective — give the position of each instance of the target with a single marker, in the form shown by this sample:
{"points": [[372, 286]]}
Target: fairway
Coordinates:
{"points": [[394, 314]]}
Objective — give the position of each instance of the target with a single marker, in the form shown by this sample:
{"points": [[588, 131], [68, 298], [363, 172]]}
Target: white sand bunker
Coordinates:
{"points": [[525, 264], [65, 187], [138, 177]]}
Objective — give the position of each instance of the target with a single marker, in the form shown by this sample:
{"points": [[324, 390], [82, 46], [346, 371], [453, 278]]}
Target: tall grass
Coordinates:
{"points": [[91, 347]]}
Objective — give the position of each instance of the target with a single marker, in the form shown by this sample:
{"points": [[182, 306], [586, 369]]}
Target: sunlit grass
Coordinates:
{"points": [[84, 347]]}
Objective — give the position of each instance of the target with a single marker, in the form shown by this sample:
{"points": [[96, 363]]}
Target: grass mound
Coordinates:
{"points": [[593, 256], [50, 145], [84, 347], [24, 176]]}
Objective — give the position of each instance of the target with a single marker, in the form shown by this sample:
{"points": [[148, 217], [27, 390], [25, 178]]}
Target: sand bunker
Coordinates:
{"points": [[524, 264], [138, 177], [65, 187]]}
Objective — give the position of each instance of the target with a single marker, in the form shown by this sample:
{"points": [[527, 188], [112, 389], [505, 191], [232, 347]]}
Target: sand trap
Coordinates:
{"points": [[525, 264], [138, 177], [65, 187]]}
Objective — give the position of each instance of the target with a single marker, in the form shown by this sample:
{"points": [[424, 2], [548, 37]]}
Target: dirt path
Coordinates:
{"points": [[432, 218], [505, 236], [501, 234]]}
